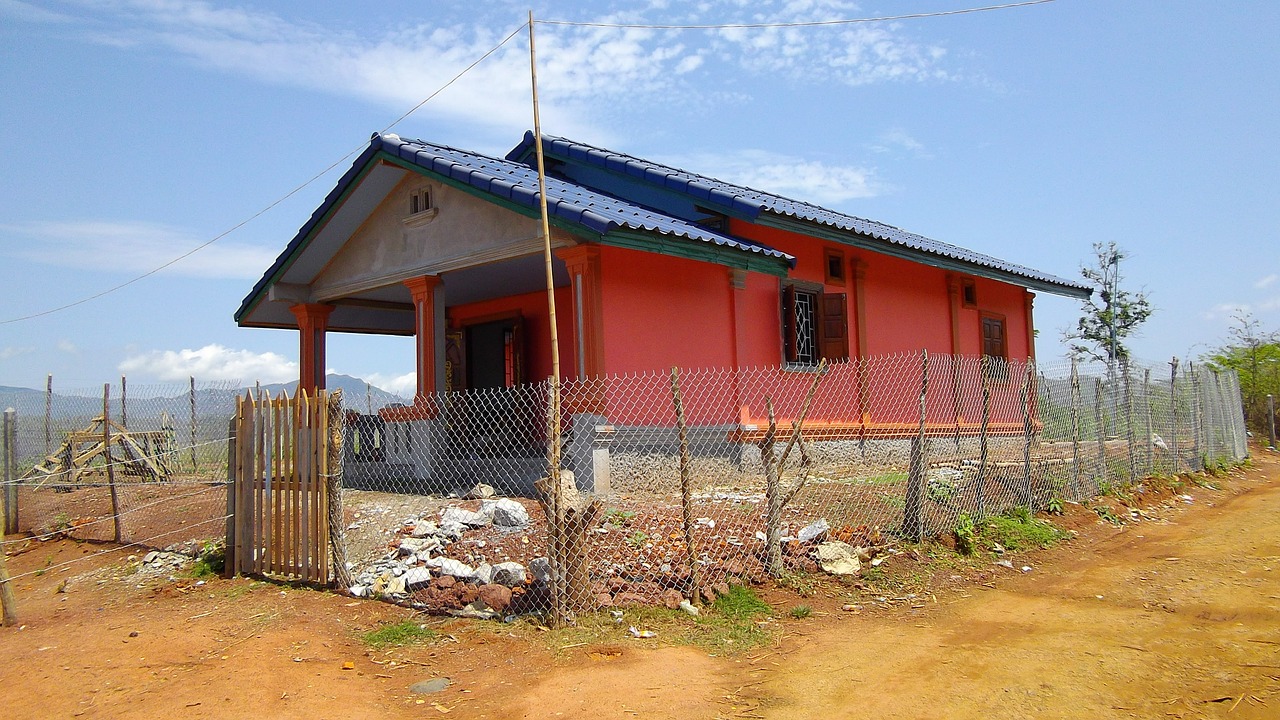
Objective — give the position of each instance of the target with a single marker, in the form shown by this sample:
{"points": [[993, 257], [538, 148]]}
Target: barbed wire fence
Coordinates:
{"points": [[682, 482], [139, 466]]}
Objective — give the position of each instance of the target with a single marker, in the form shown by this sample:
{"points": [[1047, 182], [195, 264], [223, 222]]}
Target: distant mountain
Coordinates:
{"points": [[356, 393]]}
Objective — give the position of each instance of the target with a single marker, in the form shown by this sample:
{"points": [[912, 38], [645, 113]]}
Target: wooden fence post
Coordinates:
{"points": [[1027, 392], [192, 395], [686, 485], [1197, 448], [1173, 404], [48, 415], [1146, 402], [1075, 431], [913, 512], [337, 524], [228, 565], [8, 606], [1100, 430], [9, 473], [984, 368], [124, 403], [106, 455], [1271, 419], [1128, 420]]}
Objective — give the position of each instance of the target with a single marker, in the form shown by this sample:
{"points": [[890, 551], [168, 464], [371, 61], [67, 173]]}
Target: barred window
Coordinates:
{"points": [[815, 326]]}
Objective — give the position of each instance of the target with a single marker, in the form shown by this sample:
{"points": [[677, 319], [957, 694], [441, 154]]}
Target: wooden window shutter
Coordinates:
{"points": [[834, 324], [790, 339]]}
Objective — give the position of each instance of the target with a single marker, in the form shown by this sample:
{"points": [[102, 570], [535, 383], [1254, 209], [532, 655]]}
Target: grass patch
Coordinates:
{"points": [[884, 479], [405, 632], [1018, 530], [800, 612], [730, 626]]}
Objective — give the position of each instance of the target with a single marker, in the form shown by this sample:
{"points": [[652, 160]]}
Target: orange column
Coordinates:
{"points": [[583, 263], [423, 290], [1031, 327], [313, 323]]}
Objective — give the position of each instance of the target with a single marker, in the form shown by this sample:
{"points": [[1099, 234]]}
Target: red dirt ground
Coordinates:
{"points": [[1177, 615]]}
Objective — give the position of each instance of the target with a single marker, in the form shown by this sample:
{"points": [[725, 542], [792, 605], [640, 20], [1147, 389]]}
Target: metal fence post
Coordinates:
{"points": [[1173, 404], [10, 482], [1075, 431]]}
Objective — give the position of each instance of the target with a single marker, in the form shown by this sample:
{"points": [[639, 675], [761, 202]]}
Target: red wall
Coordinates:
{"points": [[660, 311]]}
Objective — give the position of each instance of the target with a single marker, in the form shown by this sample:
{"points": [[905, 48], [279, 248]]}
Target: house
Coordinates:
{"points": [[653, 267]]}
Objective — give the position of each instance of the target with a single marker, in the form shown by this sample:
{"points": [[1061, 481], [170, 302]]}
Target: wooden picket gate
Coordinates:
{"points": [[282, 459]]}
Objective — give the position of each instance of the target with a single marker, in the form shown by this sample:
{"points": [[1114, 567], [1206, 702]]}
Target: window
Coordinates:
{"points": [[969, 293], [994, 343], [814, 325], [420, 209], [419, 201], [834, 264]]}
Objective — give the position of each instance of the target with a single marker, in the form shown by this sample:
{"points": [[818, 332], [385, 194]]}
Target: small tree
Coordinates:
{"points": [[1110, 315], [1255, 356]]}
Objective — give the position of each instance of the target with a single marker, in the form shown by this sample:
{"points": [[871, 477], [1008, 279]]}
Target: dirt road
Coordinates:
{"points": [[1174, 616]]}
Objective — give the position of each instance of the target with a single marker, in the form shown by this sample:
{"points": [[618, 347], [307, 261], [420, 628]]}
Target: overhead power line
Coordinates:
{"points": [[271, 205], [800, 23]]}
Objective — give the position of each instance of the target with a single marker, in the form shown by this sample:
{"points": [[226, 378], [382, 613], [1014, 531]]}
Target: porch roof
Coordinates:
{"points": [[775, 210]]}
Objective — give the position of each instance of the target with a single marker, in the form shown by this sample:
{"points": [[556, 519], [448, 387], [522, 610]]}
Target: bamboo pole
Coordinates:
{"points": [[1128, 421], [106, 455], [1146, 401], [553, 449], [337, 524], [124, 402]]}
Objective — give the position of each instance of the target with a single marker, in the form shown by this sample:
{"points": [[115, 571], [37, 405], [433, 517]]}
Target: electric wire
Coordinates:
{"points": [[270, 206]]}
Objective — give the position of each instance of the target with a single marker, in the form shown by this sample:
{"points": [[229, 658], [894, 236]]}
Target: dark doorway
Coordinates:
{"points": [[494, 357]]}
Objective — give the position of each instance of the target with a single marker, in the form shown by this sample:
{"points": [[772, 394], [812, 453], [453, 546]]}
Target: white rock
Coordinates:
{"points": [[463, 516], [358, 591], [813, 531], [417, 578], [510, 574], [424, 528], [508, 513], [484, 573], [838, 558], [688, 607], [456, 568]]}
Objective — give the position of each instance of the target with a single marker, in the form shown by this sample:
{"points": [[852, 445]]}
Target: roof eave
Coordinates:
{"points": [[884, 247]]}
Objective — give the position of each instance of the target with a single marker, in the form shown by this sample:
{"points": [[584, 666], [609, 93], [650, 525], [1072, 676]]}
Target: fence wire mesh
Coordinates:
{"points": [[138, 465], [678, 483]]}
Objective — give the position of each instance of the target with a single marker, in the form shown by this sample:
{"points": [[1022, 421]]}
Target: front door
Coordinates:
{"points": [[494, 355]]}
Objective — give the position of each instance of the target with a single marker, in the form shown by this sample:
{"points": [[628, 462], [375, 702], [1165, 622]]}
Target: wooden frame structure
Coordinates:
{"points": [[147, 454]]}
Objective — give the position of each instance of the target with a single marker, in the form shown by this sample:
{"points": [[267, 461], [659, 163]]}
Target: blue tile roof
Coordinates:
{"points": [[750, 204], [591, 209]]}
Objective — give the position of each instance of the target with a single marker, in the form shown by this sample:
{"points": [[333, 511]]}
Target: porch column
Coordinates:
{"points": [[583, 263], [1031, 327], [423, 290], [313, 323]]}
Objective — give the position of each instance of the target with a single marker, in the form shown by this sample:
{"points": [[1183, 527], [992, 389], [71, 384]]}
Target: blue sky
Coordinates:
{"points": [[135, 130]]}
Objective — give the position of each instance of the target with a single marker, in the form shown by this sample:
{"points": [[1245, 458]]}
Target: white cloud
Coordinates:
{"points": [[580, 68], [30, 13], [809, 180], [132, 247], [68, 347], [403, 385], [898, 139], [1267, 281], [212, 362], [10, 352], [1226, 310]]}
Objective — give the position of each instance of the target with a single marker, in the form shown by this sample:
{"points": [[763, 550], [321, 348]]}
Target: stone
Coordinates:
{"points": [[629, 598], [446, 581], [672, 598], [358, 590], [540, 568], [510, 574], [456, 568], [707, 594], [433, 685], [496, 597], [415, 545], [396, 585], [476, 610], [151, 557], [479, 491], [416, 578], [604, 600], [463, 517], [484, 574], [838, 558], [813, 531], [451, 531], [425, 528], [508, 513], [721, 588]]}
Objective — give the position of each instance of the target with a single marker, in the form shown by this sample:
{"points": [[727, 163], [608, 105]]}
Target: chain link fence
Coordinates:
{"points": [[678, 483], [137, 465]]}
